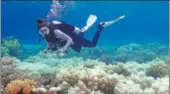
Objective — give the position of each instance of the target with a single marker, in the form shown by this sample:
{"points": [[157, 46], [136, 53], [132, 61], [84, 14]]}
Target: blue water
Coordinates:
{"points": [[144, 22]]}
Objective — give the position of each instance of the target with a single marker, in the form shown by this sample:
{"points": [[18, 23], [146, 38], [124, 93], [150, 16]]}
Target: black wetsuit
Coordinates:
{"points": [[78, 40]]}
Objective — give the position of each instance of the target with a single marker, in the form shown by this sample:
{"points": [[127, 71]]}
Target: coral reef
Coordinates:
{"points": [[134, 73], [140, 52], [7, 60], [84, 80], [13, 45], [136, 83], [29, 50], [119, 68], [20, 87], [129, 52], [158, 48], [4, 51], [9, 71], [158, 68], [141, 84], [99, 78], [100, 53], [36, 70]]}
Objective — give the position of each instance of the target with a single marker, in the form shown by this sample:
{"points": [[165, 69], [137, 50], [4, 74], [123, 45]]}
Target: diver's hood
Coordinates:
{"points": [[41, 23]]}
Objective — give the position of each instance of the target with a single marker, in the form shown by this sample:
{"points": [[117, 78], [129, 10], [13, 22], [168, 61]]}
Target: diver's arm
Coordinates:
{"points": [[61, 35]]}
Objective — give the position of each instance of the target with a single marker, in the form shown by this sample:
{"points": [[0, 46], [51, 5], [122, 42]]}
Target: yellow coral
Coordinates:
{"points": [[15, 86]]}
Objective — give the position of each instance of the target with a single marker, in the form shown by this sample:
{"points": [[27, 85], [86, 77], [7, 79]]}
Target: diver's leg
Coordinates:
{"points": [[78, 31], [76, 48], [93, 43], [90, 22]]}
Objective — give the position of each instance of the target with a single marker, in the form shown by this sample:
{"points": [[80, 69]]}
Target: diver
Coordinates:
{"points": [[59, 33]]}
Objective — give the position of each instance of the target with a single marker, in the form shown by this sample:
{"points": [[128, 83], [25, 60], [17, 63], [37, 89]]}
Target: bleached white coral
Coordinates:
{"points": [[161, 85], [84, 80], [141, 84], [36, 69], [158, 68], [91, 76]]}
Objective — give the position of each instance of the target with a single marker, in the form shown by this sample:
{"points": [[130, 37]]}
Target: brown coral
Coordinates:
{"points": [[157, 70], [7, 60], [14, 87], [9, 73], [85, 84]]}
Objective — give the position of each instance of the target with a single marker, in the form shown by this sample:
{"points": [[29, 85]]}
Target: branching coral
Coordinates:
{"points": [[36, 70], [120, 78], [13, 45], [141, 84], [25, 86], [139, 52], [119, 68], [47, 79], [9, 73], [160, 85], [79, 76], [108, 59], [7, 60], [158, 48], [4, 51], [158, 67], [84, 81], [158, 70]]}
